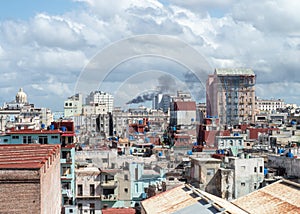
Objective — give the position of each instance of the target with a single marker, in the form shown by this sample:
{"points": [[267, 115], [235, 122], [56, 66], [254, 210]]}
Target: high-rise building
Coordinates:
{"points": [[73, 106], [231, 95], [162, 101], [100, 98]]}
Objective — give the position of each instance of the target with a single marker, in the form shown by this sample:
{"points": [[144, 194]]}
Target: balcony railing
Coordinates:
{"points": [[109, 197], [111, 183]]}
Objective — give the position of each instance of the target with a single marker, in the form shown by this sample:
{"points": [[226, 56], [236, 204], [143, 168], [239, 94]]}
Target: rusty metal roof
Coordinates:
{"points": [[186, 199], [280, 197]]}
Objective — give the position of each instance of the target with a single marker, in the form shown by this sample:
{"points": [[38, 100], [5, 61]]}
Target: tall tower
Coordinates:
{"points": [[230, 95]]}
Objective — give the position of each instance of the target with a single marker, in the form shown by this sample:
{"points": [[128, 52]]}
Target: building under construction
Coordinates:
{"points": [[230, 95]]}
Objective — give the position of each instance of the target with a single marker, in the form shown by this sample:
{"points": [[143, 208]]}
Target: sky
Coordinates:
{"points": [[48, 47]]}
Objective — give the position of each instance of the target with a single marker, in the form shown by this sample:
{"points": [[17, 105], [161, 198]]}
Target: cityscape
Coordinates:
{"points": [[149, 107], [178, 156]]}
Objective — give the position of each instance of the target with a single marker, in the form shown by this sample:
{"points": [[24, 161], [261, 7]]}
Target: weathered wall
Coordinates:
{"points": [[18, 196], [51, 187]]}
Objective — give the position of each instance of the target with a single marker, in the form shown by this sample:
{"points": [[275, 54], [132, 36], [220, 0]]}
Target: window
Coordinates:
{"points": [[66, 104], [92, 208], [5, 140], [54, 137], [243, 167], [136, 173], [80, 208], [26, 139], [43, 140], [92, 189], [260, 169], [255, 169], [125, 177], [210, 172], [70, 210], [79, 191], [126, 190], [15, 137], [243, 184]]}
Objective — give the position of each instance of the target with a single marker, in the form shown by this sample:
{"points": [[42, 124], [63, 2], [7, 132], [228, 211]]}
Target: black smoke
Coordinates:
{"points": [[142, 98]]}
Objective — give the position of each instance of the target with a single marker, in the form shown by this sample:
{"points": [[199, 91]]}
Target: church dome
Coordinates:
{"points": [[21, 96]]}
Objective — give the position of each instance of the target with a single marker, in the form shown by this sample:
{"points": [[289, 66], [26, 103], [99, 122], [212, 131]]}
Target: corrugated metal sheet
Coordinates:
{"points": [[183, 199], [279, 197], [234, 71]]}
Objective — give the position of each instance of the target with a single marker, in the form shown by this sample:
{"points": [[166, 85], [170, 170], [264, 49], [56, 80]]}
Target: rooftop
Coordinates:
{"points": [[185, 199], [280, 197], [25, 156], [121, 210], [234, 71]]}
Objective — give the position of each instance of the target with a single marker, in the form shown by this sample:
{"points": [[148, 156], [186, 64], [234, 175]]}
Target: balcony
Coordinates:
{"points": [[109, 183], [68, 160], [110, 197], [67, 192], [88, 197]]}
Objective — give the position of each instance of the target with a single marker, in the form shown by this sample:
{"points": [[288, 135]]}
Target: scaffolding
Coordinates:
{"points": [[235, 91]]}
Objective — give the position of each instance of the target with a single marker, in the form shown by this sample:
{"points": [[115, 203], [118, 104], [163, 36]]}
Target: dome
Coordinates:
{"points": [[21, 96]]}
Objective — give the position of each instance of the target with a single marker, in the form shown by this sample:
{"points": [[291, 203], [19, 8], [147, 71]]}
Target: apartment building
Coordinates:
{"points": [[231, 95]]}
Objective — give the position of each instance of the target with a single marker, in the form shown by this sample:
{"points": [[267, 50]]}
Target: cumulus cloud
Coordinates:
{"points": [[47, 52]]}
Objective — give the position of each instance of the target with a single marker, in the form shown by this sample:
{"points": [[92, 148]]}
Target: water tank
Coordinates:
{"points": [[140, 122], [52, 127], [63, 128], [189, 152], [290, 154], [43, 126], [160, 154], [266, 171]]}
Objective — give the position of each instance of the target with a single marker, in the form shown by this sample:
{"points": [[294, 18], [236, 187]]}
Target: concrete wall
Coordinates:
{"points": [[291, 165], [248, 175]]}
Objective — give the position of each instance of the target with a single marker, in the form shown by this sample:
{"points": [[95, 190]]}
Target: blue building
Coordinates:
{"points": [[142, 179]]}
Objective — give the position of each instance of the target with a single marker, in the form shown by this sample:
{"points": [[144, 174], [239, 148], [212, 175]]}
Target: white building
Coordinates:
{"points": [[88, 193], [248, 174], [73, 106], [20, 114], [269, 105], [99, 97]]}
